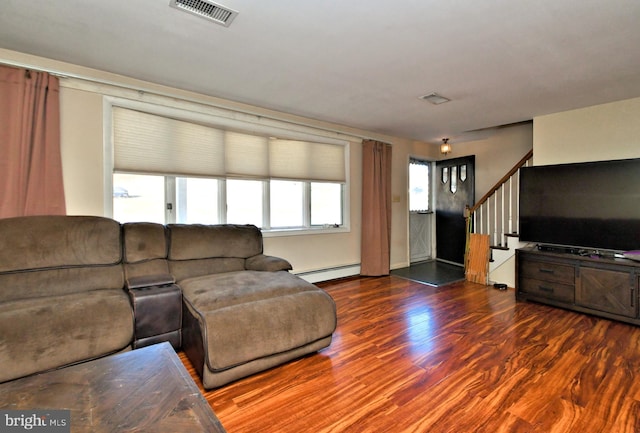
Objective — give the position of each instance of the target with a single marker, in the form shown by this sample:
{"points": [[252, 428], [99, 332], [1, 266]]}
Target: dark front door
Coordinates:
{"points": [[454, 190]]}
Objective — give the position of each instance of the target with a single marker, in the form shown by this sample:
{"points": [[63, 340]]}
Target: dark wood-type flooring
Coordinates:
{"points": [[408, 357]]}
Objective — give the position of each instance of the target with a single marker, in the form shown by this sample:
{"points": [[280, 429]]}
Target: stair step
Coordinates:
{"points": [[499, 247], [512, 235]]}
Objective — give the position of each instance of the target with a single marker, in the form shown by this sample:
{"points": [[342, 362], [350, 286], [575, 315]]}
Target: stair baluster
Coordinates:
{"points": [[498, 224]]}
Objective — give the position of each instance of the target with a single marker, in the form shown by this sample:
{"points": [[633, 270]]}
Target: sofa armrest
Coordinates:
{"points": [[262, 262]]}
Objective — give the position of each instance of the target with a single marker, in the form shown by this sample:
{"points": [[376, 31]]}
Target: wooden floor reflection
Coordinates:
{"points": [[408, 357]]}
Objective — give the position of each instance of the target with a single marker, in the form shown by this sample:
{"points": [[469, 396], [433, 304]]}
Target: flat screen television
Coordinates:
{"points": [[592, 206]]}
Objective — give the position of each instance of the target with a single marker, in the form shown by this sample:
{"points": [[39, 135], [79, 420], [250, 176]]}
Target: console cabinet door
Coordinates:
{"points": [[607, 290]]}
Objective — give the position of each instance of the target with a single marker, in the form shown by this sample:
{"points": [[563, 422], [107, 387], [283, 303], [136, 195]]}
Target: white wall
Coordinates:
{"points": [[82, 151], [597, 133]]}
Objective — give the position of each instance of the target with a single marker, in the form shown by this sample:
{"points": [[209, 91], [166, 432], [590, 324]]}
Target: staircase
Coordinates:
{"points": [[496, 215]]}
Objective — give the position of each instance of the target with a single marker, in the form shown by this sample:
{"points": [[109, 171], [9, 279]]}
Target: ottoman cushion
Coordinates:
{"points": [[248, 315]]}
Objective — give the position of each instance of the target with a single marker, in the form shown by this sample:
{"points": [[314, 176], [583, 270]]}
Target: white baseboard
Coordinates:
{"points": [[399, 265], [330, 273]]}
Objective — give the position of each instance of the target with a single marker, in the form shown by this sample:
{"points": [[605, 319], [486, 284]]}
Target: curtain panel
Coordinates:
{"points": [[376, 208], [31, 164]]}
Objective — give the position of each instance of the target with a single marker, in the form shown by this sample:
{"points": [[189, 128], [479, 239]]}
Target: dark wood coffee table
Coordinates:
{"points": [[146, 389]]}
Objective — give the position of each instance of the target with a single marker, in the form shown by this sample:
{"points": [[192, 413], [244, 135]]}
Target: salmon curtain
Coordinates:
{"points": [[376, 208], [31, 164]]}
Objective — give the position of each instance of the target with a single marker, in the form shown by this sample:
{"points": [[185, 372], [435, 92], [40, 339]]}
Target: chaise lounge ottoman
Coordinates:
{"points": [[243, 311]]}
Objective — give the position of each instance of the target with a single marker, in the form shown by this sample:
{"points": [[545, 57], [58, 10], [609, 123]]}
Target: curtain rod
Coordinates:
{"points": [[66, 75]]}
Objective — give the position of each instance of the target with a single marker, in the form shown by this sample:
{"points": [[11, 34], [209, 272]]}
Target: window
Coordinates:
{"points": [[170, 199], [161, 199], [138, 198], [419, 185], [287, 203], [196, 201], [170, 170], [305, 204], [325, 204], [244, 202]]}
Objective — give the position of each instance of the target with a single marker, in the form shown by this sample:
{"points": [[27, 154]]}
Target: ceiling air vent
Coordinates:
{"points": [[435, 99], [206, 9]]}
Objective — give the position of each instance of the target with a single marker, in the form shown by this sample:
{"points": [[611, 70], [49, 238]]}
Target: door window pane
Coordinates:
{"points": [[454, 179], [138, 197], [197, 200], [244, 202], [287, 203], [418, 187], [326, 204]]}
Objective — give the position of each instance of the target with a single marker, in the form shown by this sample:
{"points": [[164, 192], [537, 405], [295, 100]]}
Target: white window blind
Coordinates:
{"points": [[246, 155], [290, 159], [148, 143]]}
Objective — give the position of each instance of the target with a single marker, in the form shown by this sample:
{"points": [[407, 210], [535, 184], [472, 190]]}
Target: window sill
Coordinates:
{"points": [[304, 231]]}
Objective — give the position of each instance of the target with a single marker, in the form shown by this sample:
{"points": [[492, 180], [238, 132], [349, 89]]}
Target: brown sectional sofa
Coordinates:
{"points": [[74, 288]]}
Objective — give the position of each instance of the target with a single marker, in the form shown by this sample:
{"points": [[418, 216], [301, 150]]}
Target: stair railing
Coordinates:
{"points": [[496, 213]]}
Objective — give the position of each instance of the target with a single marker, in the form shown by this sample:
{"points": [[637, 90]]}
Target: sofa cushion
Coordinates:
{"points": [[145, 249], [195, 241], [248, 315], [59, 281], [56, 254], [144, 242], [38, 242], [50, 332], [182, 269]]}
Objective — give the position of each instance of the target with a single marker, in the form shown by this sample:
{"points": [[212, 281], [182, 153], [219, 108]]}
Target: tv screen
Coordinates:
{"points": [[592, 205]]}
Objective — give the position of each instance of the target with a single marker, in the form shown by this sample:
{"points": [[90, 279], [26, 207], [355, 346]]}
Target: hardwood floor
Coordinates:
{"points": [[461, 358]]}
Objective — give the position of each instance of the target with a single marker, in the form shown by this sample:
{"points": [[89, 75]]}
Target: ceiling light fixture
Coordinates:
{"points": [[435, 99], [445, 147]]}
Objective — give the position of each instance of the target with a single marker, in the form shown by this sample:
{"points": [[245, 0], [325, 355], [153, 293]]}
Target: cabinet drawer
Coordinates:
{"points": [[546, 271], [546, 289]]}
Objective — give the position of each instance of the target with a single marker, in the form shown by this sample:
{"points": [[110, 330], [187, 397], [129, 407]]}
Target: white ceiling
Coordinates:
{"points": [[359, 63]]}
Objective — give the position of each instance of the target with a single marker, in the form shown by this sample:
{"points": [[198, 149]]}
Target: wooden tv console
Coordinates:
{"points": [[602, 286]]}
